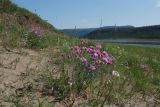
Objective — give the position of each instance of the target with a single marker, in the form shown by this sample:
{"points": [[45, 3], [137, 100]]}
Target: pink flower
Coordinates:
{"points": [[37, 30], [98, 46], [83, 60], [99, 53], [96, 57], [110, 60], [92, 68], [84, 42], [77, 49], [95, 54], [88, 50], [107, 60], [105, 53]]}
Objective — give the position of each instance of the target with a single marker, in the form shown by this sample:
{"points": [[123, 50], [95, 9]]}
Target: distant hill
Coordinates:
{"points": [[113, 27], [78, 32], [84, 31], [146, 32]]}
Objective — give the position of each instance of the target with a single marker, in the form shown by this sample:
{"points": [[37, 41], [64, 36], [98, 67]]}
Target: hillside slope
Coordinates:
{"points": [[15, 15], [18, 24]]}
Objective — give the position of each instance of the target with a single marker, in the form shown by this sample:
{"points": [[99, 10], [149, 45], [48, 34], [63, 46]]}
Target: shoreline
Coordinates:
{"points": [[134, 42]]}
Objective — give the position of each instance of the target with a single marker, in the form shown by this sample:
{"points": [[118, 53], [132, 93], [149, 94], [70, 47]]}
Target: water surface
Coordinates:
{"points": [[155, 43]]}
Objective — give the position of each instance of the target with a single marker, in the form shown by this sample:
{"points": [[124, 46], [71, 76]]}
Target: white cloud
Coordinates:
{"points": [[158, 3]]}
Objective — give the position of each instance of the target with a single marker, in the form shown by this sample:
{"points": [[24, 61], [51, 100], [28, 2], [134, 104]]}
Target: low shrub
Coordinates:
{"points": [[92, 57]]}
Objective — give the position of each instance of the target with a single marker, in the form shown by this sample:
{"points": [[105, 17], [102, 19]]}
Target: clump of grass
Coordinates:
{"points": [[33, 41], [59, 87], [12, 37], [48, 79]]}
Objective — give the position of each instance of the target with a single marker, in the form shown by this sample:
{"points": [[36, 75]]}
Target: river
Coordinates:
{"points": [[155, 43]]}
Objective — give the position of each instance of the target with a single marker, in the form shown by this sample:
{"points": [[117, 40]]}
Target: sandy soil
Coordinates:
{"points": [[19, 69]]}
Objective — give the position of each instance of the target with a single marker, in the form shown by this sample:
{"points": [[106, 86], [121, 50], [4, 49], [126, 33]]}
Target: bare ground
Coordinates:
{"points": [[19, 70]]}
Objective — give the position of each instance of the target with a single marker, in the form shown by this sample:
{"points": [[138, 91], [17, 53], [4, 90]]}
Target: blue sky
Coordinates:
{"points": [[88, 13]]}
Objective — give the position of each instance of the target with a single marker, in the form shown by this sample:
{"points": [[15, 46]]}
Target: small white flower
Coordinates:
{"points": [[109, 81], [70, 83], [115, 73]]}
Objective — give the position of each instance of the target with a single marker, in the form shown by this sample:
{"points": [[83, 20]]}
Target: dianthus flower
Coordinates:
{"points": [[83, 60]]}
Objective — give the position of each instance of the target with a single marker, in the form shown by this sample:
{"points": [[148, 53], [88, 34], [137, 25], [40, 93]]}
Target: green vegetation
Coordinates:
{"points": [[138, 67], [147, 32]]}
